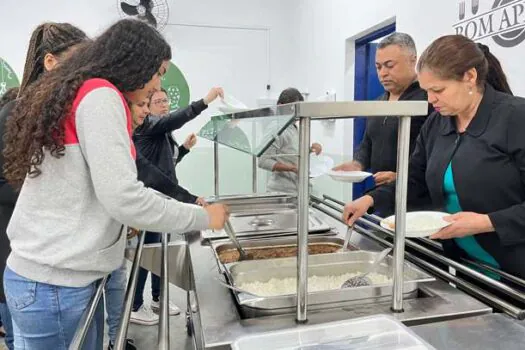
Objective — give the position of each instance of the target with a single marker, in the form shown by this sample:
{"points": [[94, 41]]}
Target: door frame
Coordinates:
{"points": [[361, 88]]}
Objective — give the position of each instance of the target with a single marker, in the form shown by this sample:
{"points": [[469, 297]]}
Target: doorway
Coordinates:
{"points": [[366, 87]]}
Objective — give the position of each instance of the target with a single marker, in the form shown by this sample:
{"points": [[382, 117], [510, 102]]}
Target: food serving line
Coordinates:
{"points": [[276, 232]]}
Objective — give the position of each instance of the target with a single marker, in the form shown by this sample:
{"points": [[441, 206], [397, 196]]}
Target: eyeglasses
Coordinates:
{"points": [[161, 102]]}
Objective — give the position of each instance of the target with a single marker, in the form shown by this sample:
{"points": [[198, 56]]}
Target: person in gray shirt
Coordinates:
{"points": [[281, 158]]}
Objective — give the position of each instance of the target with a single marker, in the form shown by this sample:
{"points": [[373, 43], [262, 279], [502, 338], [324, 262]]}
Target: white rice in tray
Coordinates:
{"points": [[286, 286]]}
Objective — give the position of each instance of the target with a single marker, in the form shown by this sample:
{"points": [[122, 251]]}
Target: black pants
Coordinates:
{"points": [[151, 237]]}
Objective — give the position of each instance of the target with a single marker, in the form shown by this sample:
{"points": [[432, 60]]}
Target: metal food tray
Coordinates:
{"points": [[320, 265], [281, 242], [261, 223]]}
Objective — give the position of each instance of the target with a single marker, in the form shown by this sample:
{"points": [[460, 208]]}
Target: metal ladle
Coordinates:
{"points": [[231, 233], [362, 280]]}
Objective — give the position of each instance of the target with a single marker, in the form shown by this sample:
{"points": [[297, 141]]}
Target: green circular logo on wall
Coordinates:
{"points": [[177, 87], [8, 78]]}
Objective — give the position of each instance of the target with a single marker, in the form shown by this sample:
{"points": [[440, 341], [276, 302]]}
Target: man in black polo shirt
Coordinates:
{"points": [[396, 68]]}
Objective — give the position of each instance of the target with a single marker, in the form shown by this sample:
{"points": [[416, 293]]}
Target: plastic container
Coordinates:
{"points": [[379, 332], [231, 105]]}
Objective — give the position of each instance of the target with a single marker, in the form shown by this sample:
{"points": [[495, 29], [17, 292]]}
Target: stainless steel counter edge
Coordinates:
{"points": [[221, 323], [494, 331]]}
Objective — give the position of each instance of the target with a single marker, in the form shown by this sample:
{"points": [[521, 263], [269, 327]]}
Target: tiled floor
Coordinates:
{"points": [[146, 337]]}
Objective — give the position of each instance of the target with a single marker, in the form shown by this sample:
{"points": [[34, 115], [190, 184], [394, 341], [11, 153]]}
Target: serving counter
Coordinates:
{"points": [[217, 320], [422, 289]]}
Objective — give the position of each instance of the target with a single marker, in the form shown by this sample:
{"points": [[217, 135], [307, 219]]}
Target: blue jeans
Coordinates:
{"points": [[46, 316], [115, 292], [5, 316], [151, 237]]}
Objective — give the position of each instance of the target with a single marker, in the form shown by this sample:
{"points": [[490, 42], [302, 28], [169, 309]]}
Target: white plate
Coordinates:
{"points": [[320, 165], [349, 176], [419, 223]]}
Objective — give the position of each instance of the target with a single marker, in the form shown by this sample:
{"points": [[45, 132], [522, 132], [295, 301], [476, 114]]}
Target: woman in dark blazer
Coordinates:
{"points": [[469, 159]]}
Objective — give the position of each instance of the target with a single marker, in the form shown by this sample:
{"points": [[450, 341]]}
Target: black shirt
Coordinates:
{"points": [[378, 150], [8, 197], [488, 162], [155, 164]]}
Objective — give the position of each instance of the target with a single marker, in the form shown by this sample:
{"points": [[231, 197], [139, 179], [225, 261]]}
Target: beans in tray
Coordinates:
{"points": [[232, 255]]}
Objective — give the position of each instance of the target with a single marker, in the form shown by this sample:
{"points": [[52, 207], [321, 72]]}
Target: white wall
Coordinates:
{"points": [[268, 16], [309, 43], [426, 26], [324, 27], [256, 33]]}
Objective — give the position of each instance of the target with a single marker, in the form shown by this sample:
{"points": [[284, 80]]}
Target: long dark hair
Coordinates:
{"points": [[53, 38], [452, 55], [495, 74], [128, 55]]}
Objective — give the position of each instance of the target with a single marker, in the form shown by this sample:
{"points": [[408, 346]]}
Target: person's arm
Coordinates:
{"points": [[8, 195], [270, 161], [175, 120], [509, 223], [183, 195], [188, 144], [101, 126], [154, 178], [183, 151]]}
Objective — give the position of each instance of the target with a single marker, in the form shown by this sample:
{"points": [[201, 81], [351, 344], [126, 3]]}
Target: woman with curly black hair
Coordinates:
{"points": [[69, 143]]}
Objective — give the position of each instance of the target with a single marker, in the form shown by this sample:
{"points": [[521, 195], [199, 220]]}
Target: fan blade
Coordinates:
{"points": [[148, 4], [151, 19], [129, 9]]}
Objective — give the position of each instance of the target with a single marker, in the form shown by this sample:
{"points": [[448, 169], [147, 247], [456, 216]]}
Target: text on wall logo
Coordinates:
{"points": [[501, 20]]}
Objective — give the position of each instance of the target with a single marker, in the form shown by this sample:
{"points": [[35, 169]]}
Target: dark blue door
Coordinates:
{"points": [[367, 87]]}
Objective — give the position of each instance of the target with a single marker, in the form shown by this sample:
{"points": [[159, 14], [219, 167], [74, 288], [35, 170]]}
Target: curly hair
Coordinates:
{"points": [[128, 55]]}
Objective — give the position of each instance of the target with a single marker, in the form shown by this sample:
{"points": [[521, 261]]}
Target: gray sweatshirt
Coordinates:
{"points": [[284, 150], [65, 229]]}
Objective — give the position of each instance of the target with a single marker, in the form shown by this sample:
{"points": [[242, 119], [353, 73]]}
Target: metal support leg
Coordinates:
{"points": [[254, 159], [254, 174], [303, 197], [403, 154], [87, 317], [164, 319], [120, 342], [216, 169]]}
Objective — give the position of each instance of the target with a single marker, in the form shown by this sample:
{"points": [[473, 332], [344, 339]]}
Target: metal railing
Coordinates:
{"points": [[87, 317], [121, 339]]}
